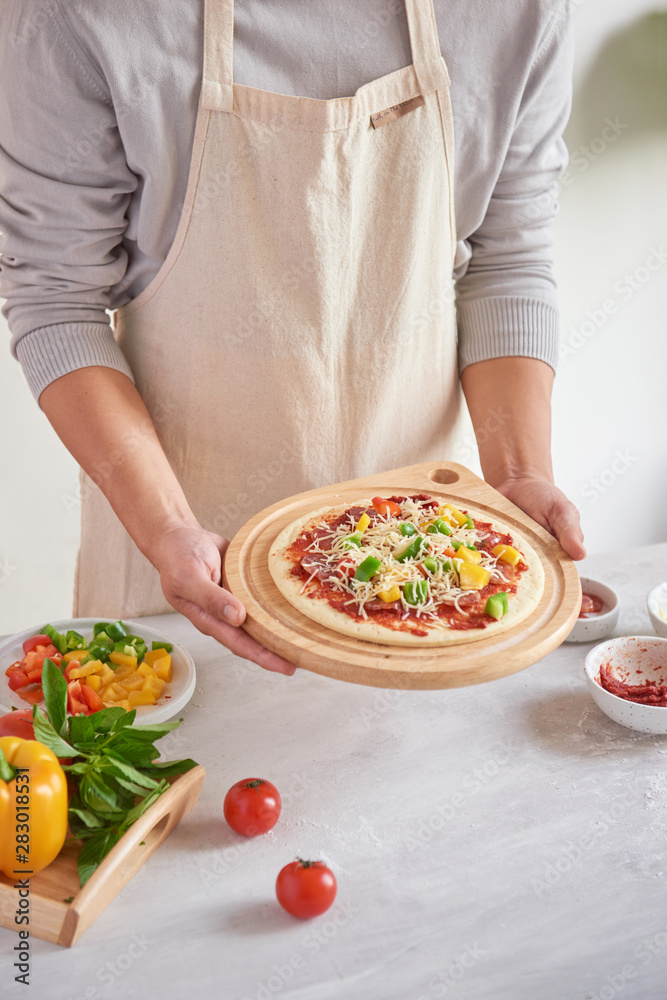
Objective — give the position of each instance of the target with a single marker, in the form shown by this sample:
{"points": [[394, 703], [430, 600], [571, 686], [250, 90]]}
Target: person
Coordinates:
{"points": [[268, 198]]}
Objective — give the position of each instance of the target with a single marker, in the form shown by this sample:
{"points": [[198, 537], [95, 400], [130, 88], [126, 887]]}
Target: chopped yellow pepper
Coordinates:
{"points": [[473, 577], [507, 554], [163, 668], [469, 555], [393, 594], [153, 655], [452, 515], [33, 807], [84, 671], [121, 660], [94, 681], [140, 698], [363, 522]]}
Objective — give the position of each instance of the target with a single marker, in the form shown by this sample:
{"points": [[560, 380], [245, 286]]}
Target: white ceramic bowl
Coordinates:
{"points": [[633, 659], [656, 604], [175, 696], [602, 625]]}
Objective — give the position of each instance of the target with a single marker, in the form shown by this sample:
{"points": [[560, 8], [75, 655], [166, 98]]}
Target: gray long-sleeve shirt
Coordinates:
{"points": [[98, 102]]}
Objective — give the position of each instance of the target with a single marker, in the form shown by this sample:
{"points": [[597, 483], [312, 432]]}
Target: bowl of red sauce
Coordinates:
{"points": [[598, 616], [628, 680]]}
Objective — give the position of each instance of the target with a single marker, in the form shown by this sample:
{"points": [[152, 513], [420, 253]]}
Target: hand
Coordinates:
{"points": [[549, 506], [189, 561]]}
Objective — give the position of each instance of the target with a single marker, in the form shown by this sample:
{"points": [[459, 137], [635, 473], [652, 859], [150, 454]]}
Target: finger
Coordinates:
{"points": [[565, 525], [213, 599], [235, 639]]}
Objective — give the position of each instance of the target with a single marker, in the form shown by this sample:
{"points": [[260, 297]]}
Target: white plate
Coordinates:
{"points": [[176, 694]]}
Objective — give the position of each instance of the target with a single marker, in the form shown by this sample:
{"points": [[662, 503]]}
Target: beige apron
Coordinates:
{"points": [[302, 329]]}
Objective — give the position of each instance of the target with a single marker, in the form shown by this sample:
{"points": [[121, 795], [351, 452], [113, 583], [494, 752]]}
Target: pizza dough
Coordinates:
{"points": [[408, 628]]}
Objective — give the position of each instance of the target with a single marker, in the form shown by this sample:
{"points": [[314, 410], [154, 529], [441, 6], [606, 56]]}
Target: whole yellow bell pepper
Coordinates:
{"points": [[33, 807]]}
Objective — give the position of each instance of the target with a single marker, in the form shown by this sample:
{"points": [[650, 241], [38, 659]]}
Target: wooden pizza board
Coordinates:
{"points": [[60, 910], [276, 624]]}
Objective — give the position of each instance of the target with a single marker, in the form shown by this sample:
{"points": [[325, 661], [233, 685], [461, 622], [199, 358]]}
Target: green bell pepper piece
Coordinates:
{"points": [[497, 605], [99, 651], [439, 527], [407, 529], [116, 631], [468, 523], [100, 627], [416, 592], [412, 550], [58, 640], [431, 564], [367, 569], [168, 646], [75, 640], [349, 542]]}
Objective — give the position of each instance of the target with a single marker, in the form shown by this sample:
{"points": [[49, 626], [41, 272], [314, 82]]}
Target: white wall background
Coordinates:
{"points": [[610, 413]]}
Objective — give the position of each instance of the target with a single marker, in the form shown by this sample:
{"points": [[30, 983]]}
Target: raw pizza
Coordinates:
{"points": [[407, 571]]}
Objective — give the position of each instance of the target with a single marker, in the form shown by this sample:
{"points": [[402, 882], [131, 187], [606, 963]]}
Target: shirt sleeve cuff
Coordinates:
{"points": [[51, 351], [507, 326]]}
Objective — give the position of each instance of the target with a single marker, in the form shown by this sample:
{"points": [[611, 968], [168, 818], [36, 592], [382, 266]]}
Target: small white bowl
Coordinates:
{"points": [[633, 659], [602, 625], [656, 604]]}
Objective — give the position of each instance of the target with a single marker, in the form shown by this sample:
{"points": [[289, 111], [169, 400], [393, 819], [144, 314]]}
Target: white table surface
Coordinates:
{"points": [[498, 842]]}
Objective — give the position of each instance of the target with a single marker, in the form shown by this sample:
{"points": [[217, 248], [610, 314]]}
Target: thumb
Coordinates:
{"points": [[566, 526]]}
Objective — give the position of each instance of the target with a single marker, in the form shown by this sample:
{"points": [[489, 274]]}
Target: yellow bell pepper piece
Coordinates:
{"points": [[154, 685], [121, 660], [507, 554], [472, 577], [107, 674], [112, 693], [393, 594], [140, 698], [74, 654], [153, 655], [145, 670], [33, 807], [132, 683], [469, 555], [84, 671], [94, 681], [452, 515], [363, 522], [163, 668]]}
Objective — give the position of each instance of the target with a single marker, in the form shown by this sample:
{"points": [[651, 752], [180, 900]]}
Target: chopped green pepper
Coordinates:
{"points": [[116, 631], [351, 541], [100, 627], [407, 528], [439, 527], [416, 592], [168, 646], [75, 640], [412, 550], [99, 651], [58, 640], [367, 569], [497, 605], [456, 545], [468, 523], [431, 564]]}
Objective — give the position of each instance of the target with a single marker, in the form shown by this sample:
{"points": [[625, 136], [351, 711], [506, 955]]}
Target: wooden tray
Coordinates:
{"points": [[51, 917], [281, 628]]}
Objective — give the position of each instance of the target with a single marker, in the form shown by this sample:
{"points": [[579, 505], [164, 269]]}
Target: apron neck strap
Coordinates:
{"points": [[218, 77], [427, 61]]}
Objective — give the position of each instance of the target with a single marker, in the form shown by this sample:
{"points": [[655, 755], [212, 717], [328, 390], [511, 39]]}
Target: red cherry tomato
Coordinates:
{"points": [[76, 703], [252, 806], [18, 724], [386, 507], [35, 640], [91, 698], [306, 888]]}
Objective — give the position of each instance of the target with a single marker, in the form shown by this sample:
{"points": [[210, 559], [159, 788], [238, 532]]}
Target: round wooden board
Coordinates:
{"points": [[273, 621]]}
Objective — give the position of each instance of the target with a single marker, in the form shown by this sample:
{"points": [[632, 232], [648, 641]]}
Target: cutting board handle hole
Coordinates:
{"points": [[443, 476]]}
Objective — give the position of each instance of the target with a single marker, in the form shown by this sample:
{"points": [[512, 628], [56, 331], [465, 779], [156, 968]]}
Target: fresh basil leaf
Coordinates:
{"points": [[131, 787], [99, 796], [169, 767], [107, 720], [127, 771], [145, 804], [94, 851], [156, 731], [81, 730], [88, 818], [54, 686], [46, 734]]}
